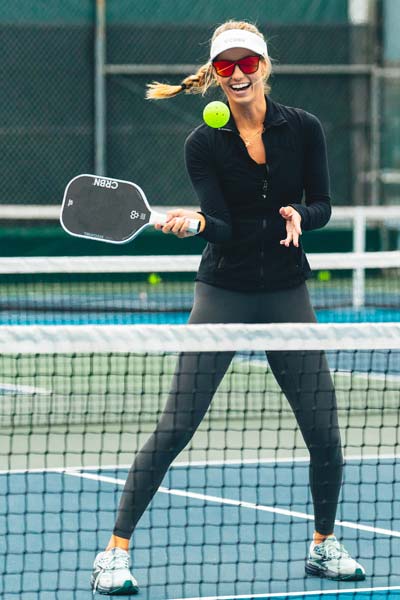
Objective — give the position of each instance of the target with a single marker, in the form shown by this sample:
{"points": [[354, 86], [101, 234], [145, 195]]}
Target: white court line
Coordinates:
{"points": [[200, 463], [241, 504], [11, 388], [268, 461], [289, 594], [299, 594], [38, 470], [370, 375], [263, 363]]}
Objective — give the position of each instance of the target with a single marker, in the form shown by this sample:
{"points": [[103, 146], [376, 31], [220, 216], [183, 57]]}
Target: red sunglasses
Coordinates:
{"points": [[248, 65]]}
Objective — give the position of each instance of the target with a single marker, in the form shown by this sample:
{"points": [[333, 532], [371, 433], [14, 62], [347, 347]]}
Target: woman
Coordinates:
{"points": [[249, 177]]}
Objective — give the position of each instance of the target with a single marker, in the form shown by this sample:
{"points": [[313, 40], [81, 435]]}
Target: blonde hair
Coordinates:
{"points": [[204, 78]]}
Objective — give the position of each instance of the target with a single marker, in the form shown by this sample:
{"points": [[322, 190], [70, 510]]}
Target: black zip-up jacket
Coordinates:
{"points": [[240, 199]]}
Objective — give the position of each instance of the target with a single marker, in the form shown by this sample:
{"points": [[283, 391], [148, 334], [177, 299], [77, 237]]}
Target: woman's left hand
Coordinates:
{"points": [[293, 227]]}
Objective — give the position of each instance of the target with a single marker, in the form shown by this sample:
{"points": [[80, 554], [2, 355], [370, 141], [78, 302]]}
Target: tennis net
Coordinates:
{"points": [[233, 516], [344, 287]]}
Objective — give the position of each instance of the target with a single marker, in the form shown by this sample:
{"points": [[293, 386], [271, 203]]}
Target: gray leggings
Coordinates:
{"points": [[304, 378]]}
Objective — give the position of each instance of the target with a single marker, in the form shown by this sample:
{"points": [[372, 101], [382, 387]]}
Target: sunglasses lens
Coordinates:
{"points": [[224, 68], [248, 65]]}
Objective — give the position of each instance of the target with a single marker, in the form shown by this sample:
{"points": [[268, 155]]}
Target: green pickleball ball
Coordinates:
{"points": [[216, 114]]}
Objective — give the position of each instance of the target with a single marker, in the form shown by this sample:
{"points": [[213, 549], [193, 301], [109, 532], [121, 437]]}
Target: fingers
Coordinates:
{"points": [[177, 222], [175, 225], [289, 238], [180, 225], [293, 238], [293, 227]]}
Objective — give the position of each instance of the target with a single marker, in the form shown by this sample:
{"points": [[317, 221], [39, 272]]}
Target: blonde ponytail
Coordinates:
{"points": [[198, 83]]}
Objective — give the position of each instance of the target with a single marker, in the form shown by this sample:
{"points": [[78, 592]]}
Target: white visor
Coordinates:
{"points": [[238, 38]]}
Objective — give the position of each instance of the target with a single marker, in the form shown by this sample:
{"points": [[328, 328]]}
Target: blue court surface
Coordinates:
{"points": [[215, 530], [343, 315]]}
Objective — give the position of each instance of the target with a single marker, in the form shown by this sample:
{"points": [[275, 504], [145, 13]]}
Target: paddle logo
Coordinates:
{"points": [[105, 183]]}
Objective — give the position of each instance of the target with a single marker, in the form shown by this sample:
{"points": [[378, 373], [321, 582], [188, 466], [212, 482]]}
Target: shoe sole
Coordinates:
{"points": [[126, 590], [358, 574]]}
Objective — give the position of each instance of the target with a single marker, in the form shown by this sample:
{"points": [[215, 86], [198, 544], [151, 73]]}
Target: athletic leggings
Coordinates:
{"points": [[304, 378]]}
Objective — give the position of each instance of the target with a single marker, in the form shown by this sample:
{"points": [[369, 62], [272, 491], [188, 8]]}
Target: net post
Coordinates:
{"points": [[100, 88], [359, 234]]}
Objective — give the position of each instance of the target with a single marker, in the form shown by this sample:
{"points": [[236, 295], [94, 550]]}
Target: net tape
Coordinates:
{"points": [[50, 339]]}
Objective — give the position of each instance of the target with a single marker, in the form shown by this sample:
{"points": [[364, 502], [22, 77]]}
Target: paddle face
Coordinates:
{"points": [[105, 209]]}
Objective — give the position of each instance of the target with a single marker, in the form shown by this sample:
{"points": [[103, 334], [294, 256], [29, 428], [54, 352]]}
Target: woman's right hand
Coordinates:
{"points": [[178, 222]]}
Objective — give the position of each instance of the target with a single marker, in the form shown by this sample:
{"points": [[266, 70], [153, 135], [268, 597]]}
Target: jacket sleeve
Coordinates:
{"points": [[317, 209], [203, 175]]}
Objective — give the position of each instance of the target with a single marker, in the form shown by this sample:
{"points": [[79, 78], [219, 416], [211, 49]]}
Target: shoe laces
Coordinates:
{"points": [[332, 549], [114, 559]]}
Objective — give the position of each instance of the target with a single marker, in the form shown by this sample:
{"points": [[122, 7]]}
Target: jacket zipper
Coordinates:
{"points": [[265, 183], [264, 221], [264, 227]]}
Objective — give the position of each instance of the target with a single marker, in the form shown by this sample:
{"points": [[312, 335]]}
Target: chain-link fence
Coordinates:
{"points": [[46, 116], [322, 63]]}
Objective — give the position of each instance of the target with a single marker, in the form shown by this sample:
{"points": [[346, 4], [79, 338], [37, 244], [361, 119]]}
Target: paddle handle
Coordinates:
{"points": [[161, 218]]}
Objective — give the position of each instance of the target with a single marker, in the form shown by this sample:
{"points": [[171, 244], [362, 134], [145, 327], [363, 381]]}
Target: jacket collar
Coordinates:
{"points": [[273, 117]]}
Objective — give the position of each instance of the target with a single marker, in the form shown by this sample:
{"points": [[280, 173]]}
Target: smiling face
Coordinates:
{"points": [[241, 88]]}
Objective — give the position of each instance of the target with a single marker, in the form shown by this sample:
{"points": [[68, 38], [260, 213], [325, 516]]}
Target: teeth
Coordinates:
{"points": [[240, 86]]}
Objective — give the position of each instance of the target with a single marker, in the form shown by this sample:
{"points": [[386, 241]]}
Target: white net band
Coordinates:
{"points": [[60, 339]]}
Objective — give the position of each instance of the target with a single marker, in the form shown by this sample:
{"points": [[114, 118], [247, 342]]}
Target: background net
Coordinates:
{"points": [[344, 287]]}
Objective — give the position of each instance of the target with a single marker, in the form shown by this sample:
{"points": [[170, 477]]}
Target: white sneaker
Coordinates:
{"points": [[111, 574], [330, 559]]}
